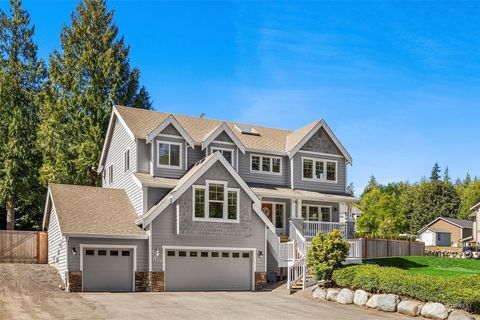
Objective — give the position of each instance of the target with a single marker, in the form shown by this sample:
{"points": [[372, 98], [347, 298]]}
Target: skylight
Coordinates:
{"points": [[246, 129]]}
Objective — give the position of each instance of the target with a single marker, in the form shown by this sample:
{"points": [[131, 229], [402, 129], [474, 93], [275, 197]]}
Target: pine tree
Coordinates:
{"points": [[435, 176], [21, 78], [468, 180], [86, 78], [372, 184], [446, 176]]}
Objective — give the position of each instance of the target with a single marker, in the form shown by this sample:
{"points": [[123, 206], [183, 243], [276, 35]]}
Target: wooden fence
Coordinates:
{"points": [[377, 248], [23, 246]]}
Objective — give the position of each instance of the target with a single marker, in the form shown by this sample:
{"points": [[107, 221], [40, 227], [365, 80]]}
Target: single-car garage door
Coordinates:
{"points": [[203, 270], [106, 269]]}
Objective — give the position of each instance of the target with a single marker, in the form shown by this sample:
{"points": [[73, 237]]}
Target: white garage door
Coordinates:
{"points": [[106, 269], [204, 270]]}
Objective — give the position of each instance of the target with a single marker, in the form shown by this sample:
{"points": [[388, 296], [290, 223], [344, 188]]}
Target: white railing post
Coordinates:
{"points": [[304, 275]]}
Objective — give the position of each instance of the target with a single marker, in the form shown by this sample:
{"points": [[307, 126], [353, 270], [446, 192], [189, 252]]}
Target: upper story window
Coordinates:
{"points": [[110, 174], [265, 164], [126, 161], [169, 154], [321, 170], [215, 202], [227, 153]]}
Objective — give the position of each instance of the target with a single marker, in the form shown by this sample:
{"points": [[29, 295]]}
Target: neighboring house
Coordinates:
{"points": [[191, 203], [445, 232], [476, 225]]}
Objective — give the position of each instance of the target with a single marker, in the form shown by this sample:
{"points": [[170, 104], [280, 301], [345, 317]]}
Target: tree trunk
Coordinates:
{"points": [[10, 213]]}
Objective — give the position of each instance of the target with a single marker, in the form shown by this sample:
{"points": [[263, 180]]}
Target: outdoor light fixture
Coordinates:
{"points": [[74, 251], [260, 254], [157, 252]]}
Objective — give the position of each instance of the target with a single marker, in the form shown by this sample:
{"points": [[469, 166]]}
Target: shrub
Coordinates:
{"points": [[326, 254], [462, 292], [382, 235]]}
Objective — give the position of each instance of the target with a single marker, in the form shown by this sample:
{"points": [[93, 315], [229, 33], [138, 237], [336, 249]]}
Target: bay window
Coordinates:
{"points": [[319, 170]]}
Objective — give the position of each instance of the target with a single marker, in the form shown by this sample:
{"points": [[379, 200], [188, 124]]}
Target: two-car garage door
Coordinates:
{"points": [[202, 270]]}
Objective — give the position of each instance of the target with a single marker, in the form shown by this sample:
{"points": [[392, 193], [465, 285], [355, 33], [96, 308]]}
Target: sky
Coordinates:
{"points": [[398, 82]]}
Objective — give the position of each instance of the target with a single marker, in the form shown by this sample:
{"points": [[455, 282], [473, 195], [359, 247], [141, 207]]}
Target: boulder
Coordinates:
{"points": [[332, 294], [345, 296], [372, 302], [460, 315], [360, 297], [388, 302], [434, 310], [410, 308], [320, 294], [312, 288]]}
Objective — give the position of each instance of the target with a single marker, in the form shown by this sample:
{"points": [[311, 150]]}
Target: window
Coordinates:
{"points": [[182, 253], [193, 253], [102, 252], [204, 254], [279, 215], [266, 164], [125, 253], [226, 153], [215, 201], [169, 154], [90, 252], [114, 252], [110, 174], [225, 254], [215, 255], [170, 253], [236, 255], [321, 170], [325, 214], [317, 213], [245, 255], [126, 161]]}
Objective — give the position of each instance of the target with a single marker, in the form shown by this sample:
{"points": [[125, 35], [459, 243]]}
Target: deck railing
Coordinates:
{"points": [[311, 228], [283, 250]]}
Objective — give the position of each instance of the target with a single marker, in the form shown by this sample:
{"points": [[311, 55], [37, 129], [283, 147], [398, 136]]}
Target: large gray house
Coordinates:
{"points": [[189, 203]]}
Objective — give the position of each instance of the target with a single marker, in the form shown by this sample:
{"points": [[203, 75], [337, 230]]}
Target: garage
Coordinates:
{"points": [[108, 269], [208, 270]]}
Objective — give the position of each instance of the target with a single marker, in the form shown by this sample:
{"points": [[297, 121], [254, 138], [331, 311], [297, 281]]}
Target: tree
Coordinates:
{"points": [[21, 77], [446, 176], [469, 196], [468, 180], [86, 78], [435, 176], [326, 254], [372, 183]]}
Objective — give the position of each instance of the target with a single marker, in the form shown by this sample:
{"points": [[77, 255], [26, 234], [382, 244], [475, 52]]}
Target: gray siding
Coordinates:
{"points": [[56, 245], [142, 250], [272, 264], [223, 137], [194, 155], [327, 187], [143, 156], [170, 129], [120, 142], [263, 178], [234, 149], [167, 172], [248, 233], [154, 195], [321, 142], [334, 205]]}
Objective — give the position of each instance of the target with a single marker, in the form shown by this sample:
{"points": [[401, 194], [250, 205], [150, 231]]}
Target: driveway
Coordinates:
{"points": [[31, 292]]}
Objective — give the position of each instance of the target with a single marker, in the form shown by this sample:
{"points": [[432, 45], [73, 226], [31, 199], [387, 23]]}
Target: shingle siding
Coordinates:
{"points": [[56, 245], [321, 142]]}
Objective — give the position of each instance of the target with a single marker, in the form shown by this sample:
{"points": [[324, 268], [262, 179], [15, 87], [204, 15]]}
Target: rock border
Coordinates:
{"points": [[389, 303]]}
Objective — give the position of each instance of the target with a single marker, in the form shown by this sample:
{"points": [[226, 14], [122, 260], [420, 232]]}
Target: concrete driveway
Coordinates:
{"points": [[225, 305]]}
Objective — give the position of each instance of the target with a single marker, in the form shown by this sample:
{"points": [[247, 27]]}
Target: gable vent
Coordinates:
{"points": [[246, 129]]}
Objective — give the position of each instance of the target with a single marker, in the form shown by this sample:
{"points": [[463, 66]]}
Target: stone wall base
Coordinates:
{"points": [[260, 280], [73, 281], [156, 281]]}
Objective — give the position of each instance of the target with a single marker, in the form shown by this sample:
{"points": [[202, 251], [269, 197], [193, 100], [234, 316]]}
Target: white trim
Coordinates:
{"points": [[314, 170], [195, 248], [186, 157], [228, 143], [232, 150], [236, 160], [150, 249], [292, 176], [274, 212], [145, 199], [271, 164], [106, 235], [267, 152], [171, 136], [324, 125], [323, 154], [320, 197], [110, 246], [179, 144], [170, 120], [319, 206], [66, 253], [226, 190], [211, 136], [125, 162], [265, 254]]}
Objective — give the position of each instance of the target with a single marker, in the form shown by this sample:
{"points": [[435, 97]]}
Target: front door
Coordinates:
{"points": [[276, 214], [267, 209]]}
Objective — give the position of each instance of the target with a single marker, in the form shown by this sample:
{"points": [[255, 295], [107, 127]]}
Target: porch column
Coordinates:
{"points": [[299, 208]]}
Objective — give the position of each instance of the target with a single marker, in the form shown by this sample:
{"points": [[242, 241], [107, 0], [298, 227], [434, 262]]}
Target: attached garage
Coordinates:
{"points": [[209, 270], [108, 269]]}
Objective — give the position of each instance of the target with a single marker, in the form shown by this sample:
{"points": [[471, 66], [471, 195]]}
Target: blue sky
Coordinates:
{"points": [[398, 82]]}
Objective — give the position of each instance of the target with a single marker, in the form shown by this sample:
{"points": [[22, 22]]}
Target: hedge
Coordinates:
{"points": [[462, 292]]}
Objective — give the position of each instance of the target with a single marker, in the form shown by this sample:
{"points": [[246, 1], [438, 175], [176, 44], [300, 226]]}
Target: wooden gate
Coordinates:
{"points": [[23, 246]]}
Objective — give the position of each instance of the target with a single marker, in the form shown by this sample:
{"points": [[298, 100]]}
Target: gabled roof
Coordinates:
{"points": [[147, 180], [269, 140], [464, 224], [170, 120], [92, 211], [223, 127], [190, 178]]}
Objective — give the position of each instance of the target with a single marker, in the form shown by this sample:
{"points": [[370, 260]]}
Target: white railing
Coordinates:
{"points": [[311, 228], [300, 242], [296, 272], [284, 251], [356, 249]]}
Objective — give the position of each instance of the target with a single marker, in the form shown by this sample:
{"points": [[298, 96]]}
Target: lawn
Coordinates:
{"points": [[447, 268]]}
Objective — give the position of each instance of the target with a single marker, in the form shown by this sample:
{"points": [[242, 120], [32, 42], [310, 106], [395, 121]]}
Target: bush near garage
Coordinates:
{"points": [[462, 292]]}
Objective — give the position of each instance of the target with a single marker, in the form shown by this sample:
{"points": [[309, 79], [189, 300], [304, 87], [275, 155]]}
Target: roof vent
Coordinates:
{"points": [[246, 129]]}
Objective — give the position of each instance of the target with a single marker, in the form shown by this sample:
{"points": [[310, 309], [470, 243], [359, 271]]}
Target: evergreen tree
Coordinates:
{"points": [[468, 180], [21, 78], [446, 176], [435, 176], [469, 196], [86, 78], [372, 184]]}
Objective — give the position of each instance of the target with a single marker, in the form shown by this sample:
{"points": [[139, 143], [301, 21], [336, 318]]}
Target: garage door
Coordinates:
{"points": [[203, 270], [107, 269]]}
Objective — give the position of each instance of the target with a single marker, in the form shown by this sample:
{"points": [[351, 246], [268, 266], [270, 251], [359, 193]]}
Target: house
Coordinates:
{"points": [[445, 232], [476, 218], [190, 203]]}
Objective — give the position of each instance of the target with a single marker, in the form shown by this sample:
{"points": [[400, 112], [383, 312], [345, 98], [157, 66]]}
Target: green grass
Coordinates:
{"points": [[447, 268]]}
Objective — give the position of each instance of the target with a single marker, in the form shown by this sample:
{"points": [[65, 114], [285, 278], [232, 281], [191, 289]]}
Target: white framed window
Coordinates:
{"points": [[110, 174], [317, 213], [319, 170], [265, 164], [126, 160], [169, 154], [226, 153], [216, 202]]}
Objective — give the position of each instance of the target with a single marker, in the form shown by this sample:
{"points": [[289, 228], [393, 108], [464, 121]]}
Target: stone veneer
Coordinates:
{"points": [[156, 281], [260, 280], [73, 281], [144, 281]]}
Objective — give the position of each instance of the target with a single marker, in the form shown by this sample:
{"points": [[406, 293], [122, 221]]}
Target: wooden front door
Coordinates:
{"points": [[267, 209]]}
